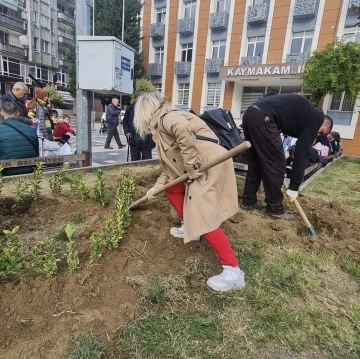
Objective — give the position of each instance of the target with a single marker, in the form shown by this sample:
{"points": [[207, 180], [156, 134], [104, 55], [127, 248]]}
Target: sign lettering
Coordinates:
{"points": [[263, 70], [125, 63]]}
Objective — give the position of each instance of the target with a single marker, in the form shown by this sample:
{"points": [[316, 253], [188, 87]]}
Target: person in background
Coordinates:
{"points": [[62, 129], [140, 147], [290, 114], [185, 142], [39, 108], [17, 96], [112, 118], [17, 140]]}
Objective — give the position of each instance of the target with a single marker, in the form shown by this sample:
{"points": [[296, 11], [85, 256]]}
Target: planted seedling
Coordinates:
{"points": [[56, 181], [84, 191], [44, 259], [111, 239], [72, 255], [75, 184], [96, 247], [36, 181], [13, 258], [21, 190], [99, 190]]}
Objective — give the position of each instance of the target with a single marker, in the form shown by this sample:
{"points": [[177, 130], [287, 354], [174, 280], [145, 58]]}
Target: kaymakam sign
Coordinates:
{"points": [[293, 70]]}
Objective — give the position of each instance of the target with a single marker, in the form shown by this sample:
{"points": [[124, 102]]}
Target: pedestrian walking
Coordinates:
{"points": [[112, 118]]}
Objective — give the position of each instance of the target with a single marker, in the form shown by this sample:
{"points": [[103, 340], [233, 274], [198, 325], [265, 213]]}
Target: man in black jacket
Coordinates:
{"points": [[112, 118], [16, 95], [295, 116], [140, 148]]}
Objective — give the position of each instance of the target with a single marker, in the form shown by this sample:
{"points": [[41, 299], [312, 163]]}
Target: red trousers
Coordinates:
{"points": [[216, 239]]}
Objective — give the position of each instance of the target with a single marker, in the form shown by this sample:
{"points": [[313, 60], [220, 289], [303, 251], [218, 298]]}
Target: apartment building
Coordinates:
{"points": [[34, 39], [228, 53]]}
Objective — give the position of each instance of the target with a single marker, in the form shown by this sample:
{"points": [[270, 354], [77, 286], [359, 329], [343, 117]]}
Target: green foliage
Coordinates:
{"points": [[111, 239], [44, 259], [86, 347], [56, 99], [73, 260], [1, 178], [21, 190], [334, 69], [99, 190], [77, 219], [142, 84], [75, 184], [12, 258], [84, 191], [36, 181], [56, 181], [96, 247]]}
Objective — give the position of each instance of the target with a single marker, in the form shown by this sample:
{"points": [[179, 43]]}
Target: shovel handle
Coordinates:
{"points": [[212, 163]]}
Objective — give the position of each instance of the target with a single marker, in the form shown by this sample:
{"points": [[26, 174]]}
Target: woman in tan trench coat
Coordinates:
{"points": [[184, 142]]}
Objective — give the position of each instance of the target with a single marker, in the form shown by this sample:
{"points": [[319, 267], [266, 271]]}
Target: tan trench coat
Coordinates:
{"points": [[210, 199]]}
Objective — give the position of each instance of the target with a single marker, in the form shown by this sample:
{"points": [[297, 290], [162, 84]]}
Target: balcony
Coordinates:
{"points": [[64, 40], [297, 57], [186, 26], [66, 19], [258, 14], [155, 70], [219, 21], [157, 30], [64, 63], [251, 60], [182, 68], [212, 66], [305, 9], [11, 23], [13, 49]]}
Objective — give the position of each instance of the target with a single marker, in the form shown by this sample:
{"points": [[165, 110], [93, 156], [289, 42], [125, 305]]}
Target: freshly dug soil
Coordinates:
{"points": [[38, 315]]}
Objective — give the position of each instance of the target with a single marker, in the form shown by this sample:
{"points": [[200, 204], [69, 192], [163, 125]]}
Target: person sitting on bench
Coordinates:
{"points": [[62, 129]]}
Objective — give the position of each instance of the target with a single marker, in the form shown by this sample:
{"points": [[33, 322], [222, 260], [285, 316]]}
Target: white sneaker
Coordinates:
{"points": [[230, 278], [178, 232]]}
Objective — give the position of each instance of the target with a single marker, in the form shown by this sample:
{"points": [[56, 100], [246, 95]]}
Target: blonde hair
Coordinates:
{"points": [[145, 108]]}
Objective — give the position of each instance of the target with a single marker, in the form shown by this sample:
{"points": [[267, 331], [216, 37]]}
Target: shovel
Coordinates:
{"points": [[308, 225], [212, 163]]}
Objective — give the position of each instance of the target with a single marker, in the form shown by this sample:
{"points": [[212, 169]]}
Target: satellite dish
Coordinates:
{"points": [[23, 40]]}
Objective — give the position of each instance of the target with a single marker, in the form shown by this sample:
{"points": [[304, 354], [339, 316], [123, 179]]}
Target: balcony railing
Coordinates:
{"points": [[212, 66], [155, 70], [64, 40], [305, 9], [13, 48], [186, 26], [18, 25], [251, 60], [258, 14], [182, 68], [157, 30], [297, 57], [64, 62], [219, 21], [72, 2], [66, 19]]}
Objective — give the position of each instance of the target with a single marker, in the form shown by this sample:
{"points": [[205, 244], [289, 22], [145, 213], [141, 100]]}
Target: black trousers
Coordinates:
{"points": [[266, 161], [140, 149], [112, 132]]}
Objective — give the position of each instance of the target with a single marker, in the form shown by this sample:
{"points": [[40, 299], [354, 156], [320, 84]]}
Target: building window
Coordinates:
{"points": [[53, 50], [44, 21], [158, 87], [161, 14], [45, 46], [256, 46], [342, 102], [186, 52], [11, 67], [36, 17], [52, 26], [190, 9], [61, 54], [40, 73], [183, 94], [213, 95], [221, 5], [4, 37], [258, 2], [36, 44], [352, 34], [159, 54], [219, 48], [301, 42]]}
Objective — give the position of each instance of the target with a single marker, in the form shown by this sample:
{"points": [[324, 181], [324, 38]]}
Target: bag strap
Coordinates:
{"points": [[25, 136], [47, 114]]}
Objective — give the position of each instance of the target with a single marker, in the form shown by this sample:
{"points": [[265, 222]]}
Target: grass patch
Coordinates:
{"points": [[60, 235], [77, 219], [340, 181], [172, 336], [86, 347], [352, 267]]}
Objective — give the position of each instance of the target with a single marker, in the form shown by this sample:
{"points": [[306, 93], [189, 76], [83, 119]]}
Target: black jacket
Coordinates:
{"points": [[20, 104], [128, 123], [295, 116]]}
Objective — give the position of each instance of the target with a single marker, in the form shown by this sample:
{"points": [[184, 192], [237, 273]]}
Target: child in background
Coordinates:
{"points": [[62, 129]]}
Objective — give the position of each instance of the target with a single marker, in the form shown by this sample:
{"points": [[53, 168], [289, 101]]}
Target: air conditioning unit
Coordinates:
{"points": [[28, 81]]}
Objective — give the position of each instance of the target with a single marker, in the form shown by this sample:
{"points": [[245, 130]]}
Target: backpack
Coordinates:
{"points": [[222, 123]]}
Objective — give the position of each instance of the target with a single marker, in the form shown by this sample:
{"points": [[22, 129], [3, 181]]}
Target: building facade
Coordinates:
{"points": [[228, 53], [34, 39]]}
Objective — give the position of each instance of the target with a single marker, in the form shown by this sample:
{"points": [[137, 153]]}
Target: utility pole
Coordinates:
{"points": [[122, 39], [83, 98], [93, 94]]}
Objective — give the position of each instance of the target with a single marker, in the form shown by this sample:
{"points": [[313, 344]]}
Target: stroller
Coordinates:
{"points": [[103, 125]]}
